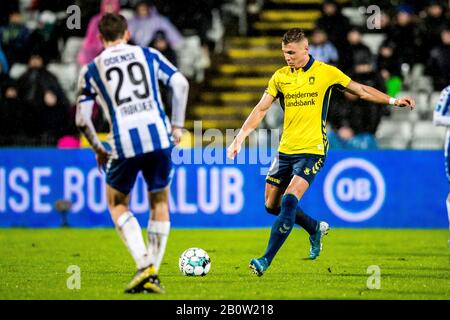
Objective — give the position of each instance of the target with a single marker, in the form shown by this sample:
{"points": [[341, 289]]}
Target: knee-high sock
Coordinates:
{"points": [[130, 231], [282, 226], [301, 218], [448, 213], [158, 233]]}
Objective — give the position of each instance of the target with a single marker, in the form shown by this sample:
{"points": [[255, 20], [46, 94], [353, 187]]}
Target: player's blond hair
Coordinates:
{"points": [[294, 35]]}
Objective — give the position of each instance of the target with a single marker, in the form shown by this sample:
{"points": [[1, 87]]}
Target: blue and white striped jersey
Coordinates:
{"points": [[123, 80], [441, 116]]}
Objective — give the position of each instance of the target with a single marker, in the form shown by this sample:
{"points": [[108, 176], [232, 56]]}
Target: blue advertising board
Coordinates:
{"points": [[355, 189]]}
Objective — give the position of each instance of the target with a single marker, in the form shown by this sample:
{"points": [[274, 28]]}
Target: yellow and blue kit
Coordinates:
{"points": [[304, 95]]}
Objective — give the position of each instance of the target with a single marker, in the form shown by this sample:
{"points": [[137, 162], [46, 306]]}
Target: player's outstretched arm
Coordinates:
{"points": [[373, 95], [252, 122]]}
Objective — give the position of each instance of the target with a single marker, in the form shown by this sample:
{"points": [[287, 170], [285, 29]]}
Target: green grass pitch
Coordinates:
{"points": [[413, 264]]}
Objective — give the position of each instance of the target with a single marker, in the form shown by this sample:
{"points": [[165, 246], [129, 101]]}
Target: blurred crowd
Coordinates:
{"points": [[34, 108], [414, 33]]}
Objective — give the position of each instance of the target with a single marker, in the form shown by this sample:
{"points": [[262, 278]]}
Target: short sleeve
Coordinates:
{"points": [[165, 68], [85, 90], [272, 88], [337, 77]]}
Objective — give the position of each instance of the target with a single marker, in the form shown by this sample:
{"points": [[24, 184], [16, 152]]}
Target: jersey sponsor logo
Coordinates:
{"points": [[354, 190], [300, 99]]}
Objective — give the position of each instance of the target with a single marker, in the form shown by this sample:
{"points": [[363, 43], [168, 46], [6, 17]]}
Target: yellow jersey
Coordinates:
{"points": [[304, 95]]}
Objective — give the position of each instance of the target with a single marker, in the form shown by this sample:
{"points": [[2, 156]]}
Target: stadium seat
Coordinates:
{"points": [[127, 13], [71, 49], [354, 15], [190, 58], [423, 105], [393, 134], [67, 75], [404, 114], [216, 32], [427, 136], [434, 99], [17, 69], [373, 41], [238, 9]]}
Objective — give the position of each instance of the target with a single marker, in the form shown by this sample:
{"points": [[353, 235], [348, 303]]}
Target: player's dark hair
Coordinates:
{"points": [[112, 26], [294, 35]]}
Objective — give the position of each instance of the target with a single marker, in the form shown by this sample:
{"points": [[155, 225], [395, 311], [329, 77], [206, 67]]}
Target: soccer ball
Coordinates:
{"points": [[194, 262]]}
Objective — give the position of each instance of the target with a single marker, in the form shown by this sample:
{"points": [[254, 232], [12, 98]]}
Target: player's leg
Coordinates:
{"points": [[273, 196], [158, 225], [130, 232], [304, 168], [157, 171], [282, 226], [307, 167], [127, 226], [120, 178]]}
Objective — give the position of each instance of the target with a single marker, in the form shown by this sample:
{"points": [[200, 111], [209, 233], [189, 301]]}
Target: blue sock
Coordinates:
{"points": [[282, 226], [305, 221], [301, 218]]}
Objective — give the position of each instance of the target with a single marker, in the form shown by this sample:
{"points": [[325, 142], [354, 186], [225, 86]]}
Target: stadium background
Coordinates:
{"points": [[228, 50], [383, 180]]}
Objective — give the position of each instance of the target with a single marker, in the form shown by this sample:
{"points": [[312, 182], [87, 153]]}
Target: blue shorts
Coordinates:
{"points": [[156, 169], [285, 166]]}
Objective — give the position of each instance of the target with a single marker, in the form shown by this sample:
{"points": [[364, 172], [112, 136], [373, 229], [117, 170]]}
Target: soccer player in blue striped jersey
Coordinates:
{"points": [[441, 117], [123, 79]]}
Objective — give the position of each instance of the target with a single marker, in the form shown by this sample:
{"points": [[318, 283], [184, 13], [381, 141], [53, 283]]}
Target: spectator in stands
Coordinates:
{"points": [[388, 64], [355, 121], [45, 37], [355, 50], [383, 25], [147, 22], [439, 61], [92, 45], [14, 39], [322, 49], [432, 25], [335, 24], [46, 105], [8, 7], [161, 43], [4, 67], [196, 19], [11, 112], [405, 35]]}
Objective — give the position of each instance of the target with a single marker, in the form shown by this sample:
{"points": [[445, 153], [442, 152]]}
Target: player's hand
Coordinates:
{"points": [[233, 149], [177, 133], [102, 157], [406, 102]]}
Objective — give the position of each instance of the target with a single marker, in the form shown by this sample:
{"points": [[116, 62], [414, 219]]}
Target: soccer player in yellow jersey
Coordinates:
{"points": [[304, 88]]}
